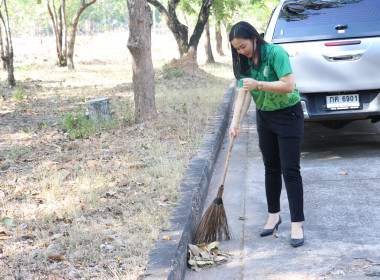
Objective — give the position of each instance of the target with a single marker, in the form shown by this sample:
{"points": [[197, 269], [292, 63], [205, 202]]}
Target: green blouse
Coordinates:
{"points": [[275, 64]]}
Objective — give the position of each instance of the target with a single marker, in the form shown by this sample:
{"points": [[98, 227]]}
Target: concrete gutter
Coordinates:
{"points": [[168, 259]]}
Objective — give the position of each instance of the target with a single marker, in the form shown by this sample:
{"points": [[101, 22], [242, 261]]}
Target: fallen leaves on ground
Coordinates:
{"points": [[57, 257], [104, 199], [202, 255], [4, 235]]}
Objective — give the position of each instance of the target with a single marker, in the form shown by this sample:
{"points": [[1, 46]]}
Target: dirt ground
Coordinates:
{"points": [[79, 201]]}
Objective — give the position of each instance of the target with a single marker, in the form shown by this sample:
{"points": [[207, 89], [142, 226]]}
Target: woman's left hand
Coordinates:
{"points": [[249, 84]]}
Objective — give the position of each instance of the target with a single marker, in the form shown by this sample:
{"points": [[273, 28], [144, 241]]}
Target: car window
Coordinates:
{"points": [[330, 19]]}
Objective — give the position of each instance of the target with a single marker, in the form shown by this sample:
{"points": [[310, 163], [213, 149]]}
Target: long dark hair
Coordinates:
{"points": [[244, 30]]}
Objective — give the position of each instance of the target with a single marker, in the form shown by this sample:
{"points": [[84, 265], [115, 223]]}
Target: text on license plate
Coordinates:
{"points": [[340, 102]]}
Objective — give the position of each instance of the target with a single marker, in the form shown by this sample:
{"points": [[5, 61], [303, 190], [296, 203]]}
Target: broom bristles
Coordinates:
{"points": [[213, 225]]}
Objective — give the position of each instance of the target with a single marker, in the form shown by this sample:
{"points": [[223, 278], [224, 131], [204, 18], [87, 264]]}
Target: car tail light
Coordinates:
{"points": [[343, 43]]}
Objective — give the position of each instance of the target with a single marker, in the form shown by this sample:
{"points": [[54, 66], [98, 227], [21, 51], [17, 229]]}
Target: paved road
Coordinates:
{"points": [[341, 174]]}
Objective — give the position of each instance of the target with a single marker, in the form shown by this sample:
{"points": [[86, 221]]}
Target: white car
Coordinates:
{"points": [[334, 50]]}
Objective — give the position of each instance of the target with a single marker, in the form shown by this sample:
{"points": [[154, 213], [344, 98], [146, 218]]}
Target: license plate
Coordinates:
{"points": [[342, 102]]}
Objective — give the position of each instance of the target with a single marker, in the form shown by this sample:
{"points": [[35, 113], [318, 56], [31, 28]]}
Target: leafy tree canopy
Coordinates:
{"points": [[31, 17]]}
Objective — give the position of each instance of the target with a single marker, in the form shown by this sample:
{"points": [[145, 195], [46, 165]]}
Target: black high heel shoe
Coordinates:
{"points": [[297, 242], [266, 232]]}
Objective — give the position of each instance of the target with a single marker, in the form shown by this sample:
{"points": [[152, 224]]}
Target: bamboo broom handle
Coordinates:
{"points": [[233, 139]]}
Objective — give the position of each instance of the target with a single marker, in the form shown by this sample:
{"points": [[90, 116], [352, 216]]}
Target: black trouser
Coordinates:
{"points": [[280, 140]]}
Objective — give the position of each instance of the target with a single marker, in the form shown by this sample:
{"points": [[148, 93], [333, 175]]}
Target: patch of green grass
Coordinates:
{"points": [[24, 67], [77, 125], [43, 125], [180, 108], [124, 109], [20, 93], [170, 72], [4, 167]]}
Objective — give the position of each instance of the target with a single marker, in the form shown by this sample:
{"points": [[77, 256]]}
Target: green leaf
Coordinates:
{"points": [[39, 1]]}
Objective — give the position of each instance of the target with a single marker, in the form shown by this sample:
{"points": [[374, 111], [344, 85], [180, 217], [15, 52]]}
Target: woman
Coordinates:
{"points": [[264, 70]]}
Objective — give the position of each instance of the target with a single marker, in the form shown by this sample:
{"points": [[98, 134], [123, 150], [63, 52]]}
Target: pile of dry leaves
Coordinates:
{"points": [[203, 255]]}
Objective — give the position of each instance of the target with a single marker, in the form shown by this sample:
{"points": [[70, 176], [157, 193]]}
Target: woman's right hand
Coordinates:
{"points": [[234, 133]]}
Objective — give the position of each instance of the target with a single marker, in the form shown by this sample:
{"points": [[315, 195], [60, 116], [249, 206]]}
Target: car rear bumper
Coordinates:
{"points": [[314, 107]]}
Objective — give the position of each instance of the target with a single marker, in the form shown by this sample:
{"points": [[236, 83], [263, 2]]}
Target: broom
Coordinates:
{"points": [[214, 225]]}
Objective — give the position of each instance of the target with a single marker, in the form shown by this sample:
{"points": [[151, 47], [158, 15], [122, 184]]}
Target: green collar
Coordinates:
{"points": [[264, 52]]}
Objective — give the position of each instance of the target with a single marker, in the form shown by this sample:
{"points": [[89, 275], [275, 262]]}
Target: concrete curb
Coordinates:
{"points": [[168, 259]]}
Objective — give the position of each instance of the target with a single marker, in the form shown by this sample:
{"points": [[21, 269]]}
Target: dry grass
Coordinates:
{"points": [[99, 201]]}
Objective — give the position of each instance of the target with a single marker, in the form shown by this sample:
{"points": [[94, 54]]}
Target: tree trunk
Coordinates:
{"points": [[203, 16], [59, 27], [64, 47], [70, 51], [218, 36], [228, 43], [10, 69], [139, 44], [181, 37], [8, 54], [2, 50], [228, 40], [180, 31], [210, 57]]}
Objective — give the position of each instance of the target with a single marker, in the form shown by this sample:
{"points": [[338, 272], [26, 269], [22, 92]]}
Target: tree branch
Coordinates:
{"points": [[169, 15], [2, 19], [174, 3], [159, 7], [202, 20], [5, 59], [8, 46], [74, 22], [88, 4], [5, 31], [51, 13]]}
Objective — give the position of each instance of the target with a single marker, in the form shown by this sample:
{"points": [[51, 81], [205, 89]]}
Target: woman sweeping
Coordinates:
{"points": [[264, 69]]}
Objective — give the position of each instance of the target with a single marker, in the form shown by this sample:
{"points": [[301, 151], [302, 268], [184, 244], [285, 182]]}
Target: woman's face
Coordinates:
{"points": [[243, 46]]}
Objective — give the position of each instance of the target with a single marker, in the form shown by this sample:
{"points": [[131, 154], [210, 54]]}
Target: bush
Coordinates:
{"points": [[20, 94], [171, 71], [77, 125]]}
